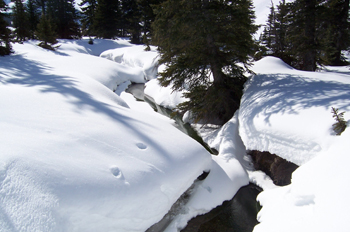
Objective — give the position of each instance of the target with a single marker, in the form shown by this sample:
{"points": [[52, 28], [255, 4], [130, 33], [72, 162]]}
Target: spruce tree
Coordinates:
{"points": [[20, 21], [42, 4], [64, 16], [5, 46], [147, 17], [33, 17], [46, 33], [106, 19], [205, 46], [335, 31], [132, 19], [88, 8], [275, 36]]}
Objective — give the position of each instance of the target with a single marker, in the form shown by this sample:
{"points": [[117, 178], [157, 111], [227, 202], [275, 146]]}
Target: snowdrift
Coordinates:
{"points": [[288, 112], [74, 155]]}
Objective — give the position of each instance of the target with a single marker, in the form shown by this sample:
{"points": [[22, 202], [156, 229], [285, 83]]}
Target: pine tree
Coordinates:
{"points": [[106, 19], [340, 125], [88, 8], [5, 46], [64, 16], [336, 31], [20, 21], [268, 37], [201, 43], [33, 17], [147, 17], [42, 4], [132, 19], [274, 37], [45, 33], [302, 34]]}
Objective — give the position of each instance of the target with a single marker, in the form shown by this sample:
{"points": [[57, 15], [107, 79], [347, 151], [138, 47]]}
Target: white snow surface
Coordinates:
{"points": [[74, 155], [137, 58], [77, 157], [288, 112], [164, 96]]}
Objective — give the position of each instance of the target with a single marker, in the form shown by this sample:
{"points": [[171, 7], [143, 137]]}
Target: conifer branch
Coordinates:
{"points": [[340, 125]]}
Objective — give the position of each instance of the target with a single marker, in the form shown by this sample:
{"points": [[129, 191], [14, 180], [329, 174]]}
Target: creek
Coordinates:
{"points": [[237, 215]]}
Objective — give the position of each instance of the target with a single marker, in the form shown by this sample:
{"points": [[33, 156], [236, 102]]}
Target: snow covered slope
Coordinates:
{"points": [[74, 156], [288, 112]]}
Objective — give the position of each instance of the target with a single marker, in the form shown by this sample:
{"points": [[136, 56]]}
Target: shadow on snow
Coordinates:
{"points": [[31, 73]]}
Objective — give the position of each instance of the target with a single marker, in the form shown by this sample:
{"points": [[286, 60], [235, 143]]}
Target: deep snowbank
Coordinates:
{"points": [[137, 58], [74, 156], [288, 112]]}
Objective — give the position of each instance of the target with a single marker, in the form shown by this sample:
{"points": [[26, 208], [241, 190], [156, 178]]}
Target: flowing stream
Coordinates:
{"points": [[237, 215]]}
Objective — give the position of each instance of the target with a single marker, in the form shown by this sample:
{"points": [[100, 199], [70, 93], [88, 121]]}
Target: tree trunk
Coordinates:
{"points": [[215, 66]]}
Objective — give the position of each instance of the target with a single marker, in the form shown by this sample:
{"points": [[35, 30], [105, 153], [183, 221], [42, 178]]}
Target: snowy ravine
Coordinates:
{"points": [[75, 156], [77, 153], [288, 112]]}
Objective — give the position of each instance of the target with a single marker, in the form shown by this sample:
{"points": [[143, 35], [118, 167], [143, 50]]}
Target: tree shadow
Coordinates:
{"points": [[329, 69], [99, 45], [270, 94], [28, 73], [284, 93]]}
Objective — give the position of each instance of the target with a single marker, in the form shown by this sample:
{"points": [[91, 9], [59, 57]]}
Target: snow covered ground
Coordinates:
{"points": [[288, 112], [75, 156]]}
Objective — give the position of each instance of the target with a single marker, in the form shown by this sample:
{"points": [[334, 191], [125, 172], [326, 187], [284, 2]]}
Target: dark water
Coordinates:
{"points": [[237, 215]]}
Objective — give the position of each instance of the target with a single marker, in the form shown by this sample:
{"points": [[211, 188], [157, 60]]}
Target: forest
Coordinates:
{"points": [[207, 46]]}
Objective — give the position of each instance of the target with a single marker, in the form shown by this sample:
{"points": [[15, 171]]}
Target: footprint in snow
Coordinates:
{"points": [[141, 146], [117, 172]]}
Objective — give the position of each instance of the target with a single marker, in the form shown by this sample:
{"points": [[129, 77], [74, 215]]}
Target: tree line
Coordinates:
{"points": [[305, 33], [205, 45], [48, 20]]}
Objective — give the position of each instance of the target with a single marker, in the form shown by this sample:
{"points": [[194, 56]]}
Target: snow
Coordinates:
{"points": [[288, 112], [78, 157], [75, 156], [227, 175], [135, 57], [163, 96]]}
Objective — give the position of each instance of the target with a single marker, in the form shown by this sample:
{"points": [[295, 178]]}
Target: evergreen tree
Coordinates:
{"points": [[268, 37], [64, 16], [20, 21], [302, 34], [5, 46], [336, 31], [147, 17], [106, 20], [46, 33], [132, 19], [33, 17], [274, 37], [88, 8], [42, 4], [201, 43]]}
